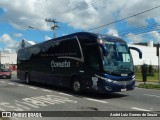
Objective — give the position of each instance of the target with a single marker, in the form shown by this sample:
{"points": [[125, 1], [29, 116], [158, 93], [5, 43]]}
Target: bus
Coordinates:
{"points": [[80, 61]]}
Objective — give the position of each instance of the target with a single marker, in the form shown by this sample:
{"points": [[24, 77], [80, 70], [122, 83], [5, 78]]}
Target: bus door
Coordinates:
{"points": [[92, 64]]}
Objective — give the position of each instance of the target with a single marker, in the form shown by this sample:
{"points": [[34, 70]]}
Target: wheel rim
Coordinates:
{"points": [[76, 86]]}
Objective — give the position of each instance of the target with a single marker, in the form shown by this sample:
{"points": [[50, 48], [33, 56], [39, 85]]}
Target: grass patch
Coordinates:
{"points": [[154, 78], [4, 118], [150, 86]]}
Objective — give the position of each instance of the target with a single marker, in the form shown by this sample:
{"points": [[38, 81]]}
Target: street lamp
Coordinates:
{"points": [[32, 27]]}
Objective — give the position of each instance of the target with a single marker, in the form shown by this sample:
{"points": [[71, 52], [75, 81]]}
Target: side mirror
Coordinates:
{"points": [[138, 50]]}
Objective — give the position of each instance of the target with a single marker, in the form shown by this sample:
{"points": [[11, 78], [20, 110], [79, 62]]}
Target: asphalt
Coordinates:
{"points": [[16, 95]]}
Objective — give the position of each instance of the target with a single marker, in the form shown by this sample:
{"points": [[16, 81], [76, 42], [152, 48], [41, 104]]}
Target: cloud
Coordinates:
{"points": [[155, 35], [81, 14], [18, 35], [10, 45], [134, 38], [21, 14], [138, 6], [113, 32]]}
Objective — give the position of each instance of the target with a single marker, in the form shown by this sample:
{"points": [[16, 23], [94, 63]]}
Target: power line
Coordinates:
{"points": [[142, 29], [81, 8], [124, 31], [84, 7], [124, 18], [135, 35]]}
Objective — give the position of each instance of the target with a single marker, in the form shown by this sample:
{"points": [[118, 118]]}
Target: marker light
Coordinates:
{"points": [[101, 41]]}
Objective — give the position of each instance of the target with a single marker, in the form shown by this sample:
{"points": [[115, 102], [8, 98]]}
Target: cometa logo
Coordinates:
{"points": [[60, 64]]}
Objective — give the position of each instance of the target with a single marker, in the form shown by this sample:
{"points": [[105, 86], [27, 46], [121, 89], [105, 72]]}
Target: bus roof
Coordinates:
{"points": [[93, 35], [78, 34]]}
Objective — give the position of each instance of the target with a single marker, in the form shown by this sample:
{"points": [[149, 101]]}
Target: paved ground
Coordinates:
{"points": [[15, 95]]}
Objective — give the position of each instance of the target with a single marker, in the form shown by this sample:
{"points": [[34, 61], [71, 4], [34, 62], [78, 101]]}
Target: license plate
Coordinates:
{"points": [[123, 90]]}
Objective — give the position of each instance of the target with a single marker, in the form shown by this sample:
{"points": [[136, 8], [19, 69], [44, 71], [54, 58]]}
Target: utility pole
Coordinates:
{"points": [[53, 27], [157, 50]]}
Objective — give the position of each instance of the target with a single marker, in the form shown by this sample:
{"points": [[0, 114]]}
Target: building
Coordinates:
{"points": [[25, 43], [148, 54], [10, 59]]}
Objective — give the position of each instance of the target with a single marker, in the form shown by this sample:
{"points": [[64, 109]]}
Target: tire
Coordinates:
{"points": [[9, 77], [76, 86], [28, 79]]}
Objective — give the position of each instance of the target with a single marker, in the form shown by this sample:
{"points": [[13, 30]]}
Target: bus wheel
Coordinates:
{"points": [[27, 78], [76, 86]]}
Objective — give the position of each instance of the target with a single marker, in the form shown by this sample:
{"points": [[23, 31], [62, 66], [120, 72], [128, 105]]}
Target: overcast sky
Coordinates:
{"points": [[77, 15]]}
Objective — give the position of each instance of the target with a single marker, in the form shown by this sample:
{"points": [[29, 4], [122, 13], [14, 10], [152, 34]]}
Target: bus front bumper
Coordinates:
{"points": [[117, 86]]}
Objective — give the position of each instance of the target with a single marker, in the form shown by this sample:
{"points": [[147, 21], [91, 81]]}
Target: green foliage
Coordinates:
{"points": [[152, 73], [150, 86], [4, 118], [144, 71], [150, 70]]}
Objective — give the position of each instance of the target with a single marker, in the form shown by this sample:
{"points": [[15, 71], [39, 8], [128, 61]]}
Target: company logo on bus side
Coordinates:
{"points": [[60, 64]]}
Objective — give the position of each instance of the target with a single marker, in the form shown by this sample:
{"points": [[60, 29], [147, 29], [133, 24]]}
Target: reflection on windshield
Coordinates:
{"points": [[118, 59]]}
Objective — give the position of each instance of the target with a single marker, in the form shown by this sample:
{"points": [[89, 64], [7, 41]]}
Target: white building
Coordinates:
{"points": [[11, 58], [8, 58], [148, 55]]}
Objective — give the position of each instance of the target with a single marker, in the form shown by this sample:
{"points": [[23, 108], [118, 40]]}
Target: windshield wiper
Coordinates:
{"points": [[125, 70]]}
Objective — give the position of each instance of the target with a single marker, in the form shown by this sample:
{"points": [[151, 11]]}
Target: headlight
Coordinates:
{"points": [[106, 79]]}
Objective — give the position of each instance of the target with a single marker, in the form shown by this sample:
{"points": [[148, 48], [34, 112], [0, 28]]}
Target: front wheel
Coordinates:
{"points": [[76, 86]]}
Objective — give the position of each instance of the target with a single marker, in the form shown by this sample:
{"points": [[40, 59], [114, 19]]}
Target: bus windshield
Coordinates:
{"points": [[117, 59]]}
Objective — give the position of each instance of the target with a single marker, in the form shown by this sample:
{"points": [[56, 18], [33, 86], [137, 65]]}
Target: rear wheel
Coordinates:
{"points": [[9, 77], [76, 86]]}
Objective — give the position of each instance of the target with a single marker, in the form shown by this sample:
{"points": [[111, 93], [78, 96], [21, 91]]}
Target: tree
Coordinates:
{"points": [[150, 70], [144, 70]]}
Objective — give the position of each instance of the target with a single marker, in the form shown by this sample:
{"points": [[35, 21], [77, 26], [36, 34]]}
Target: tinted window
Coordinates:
{"points": [[68, 47]]}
